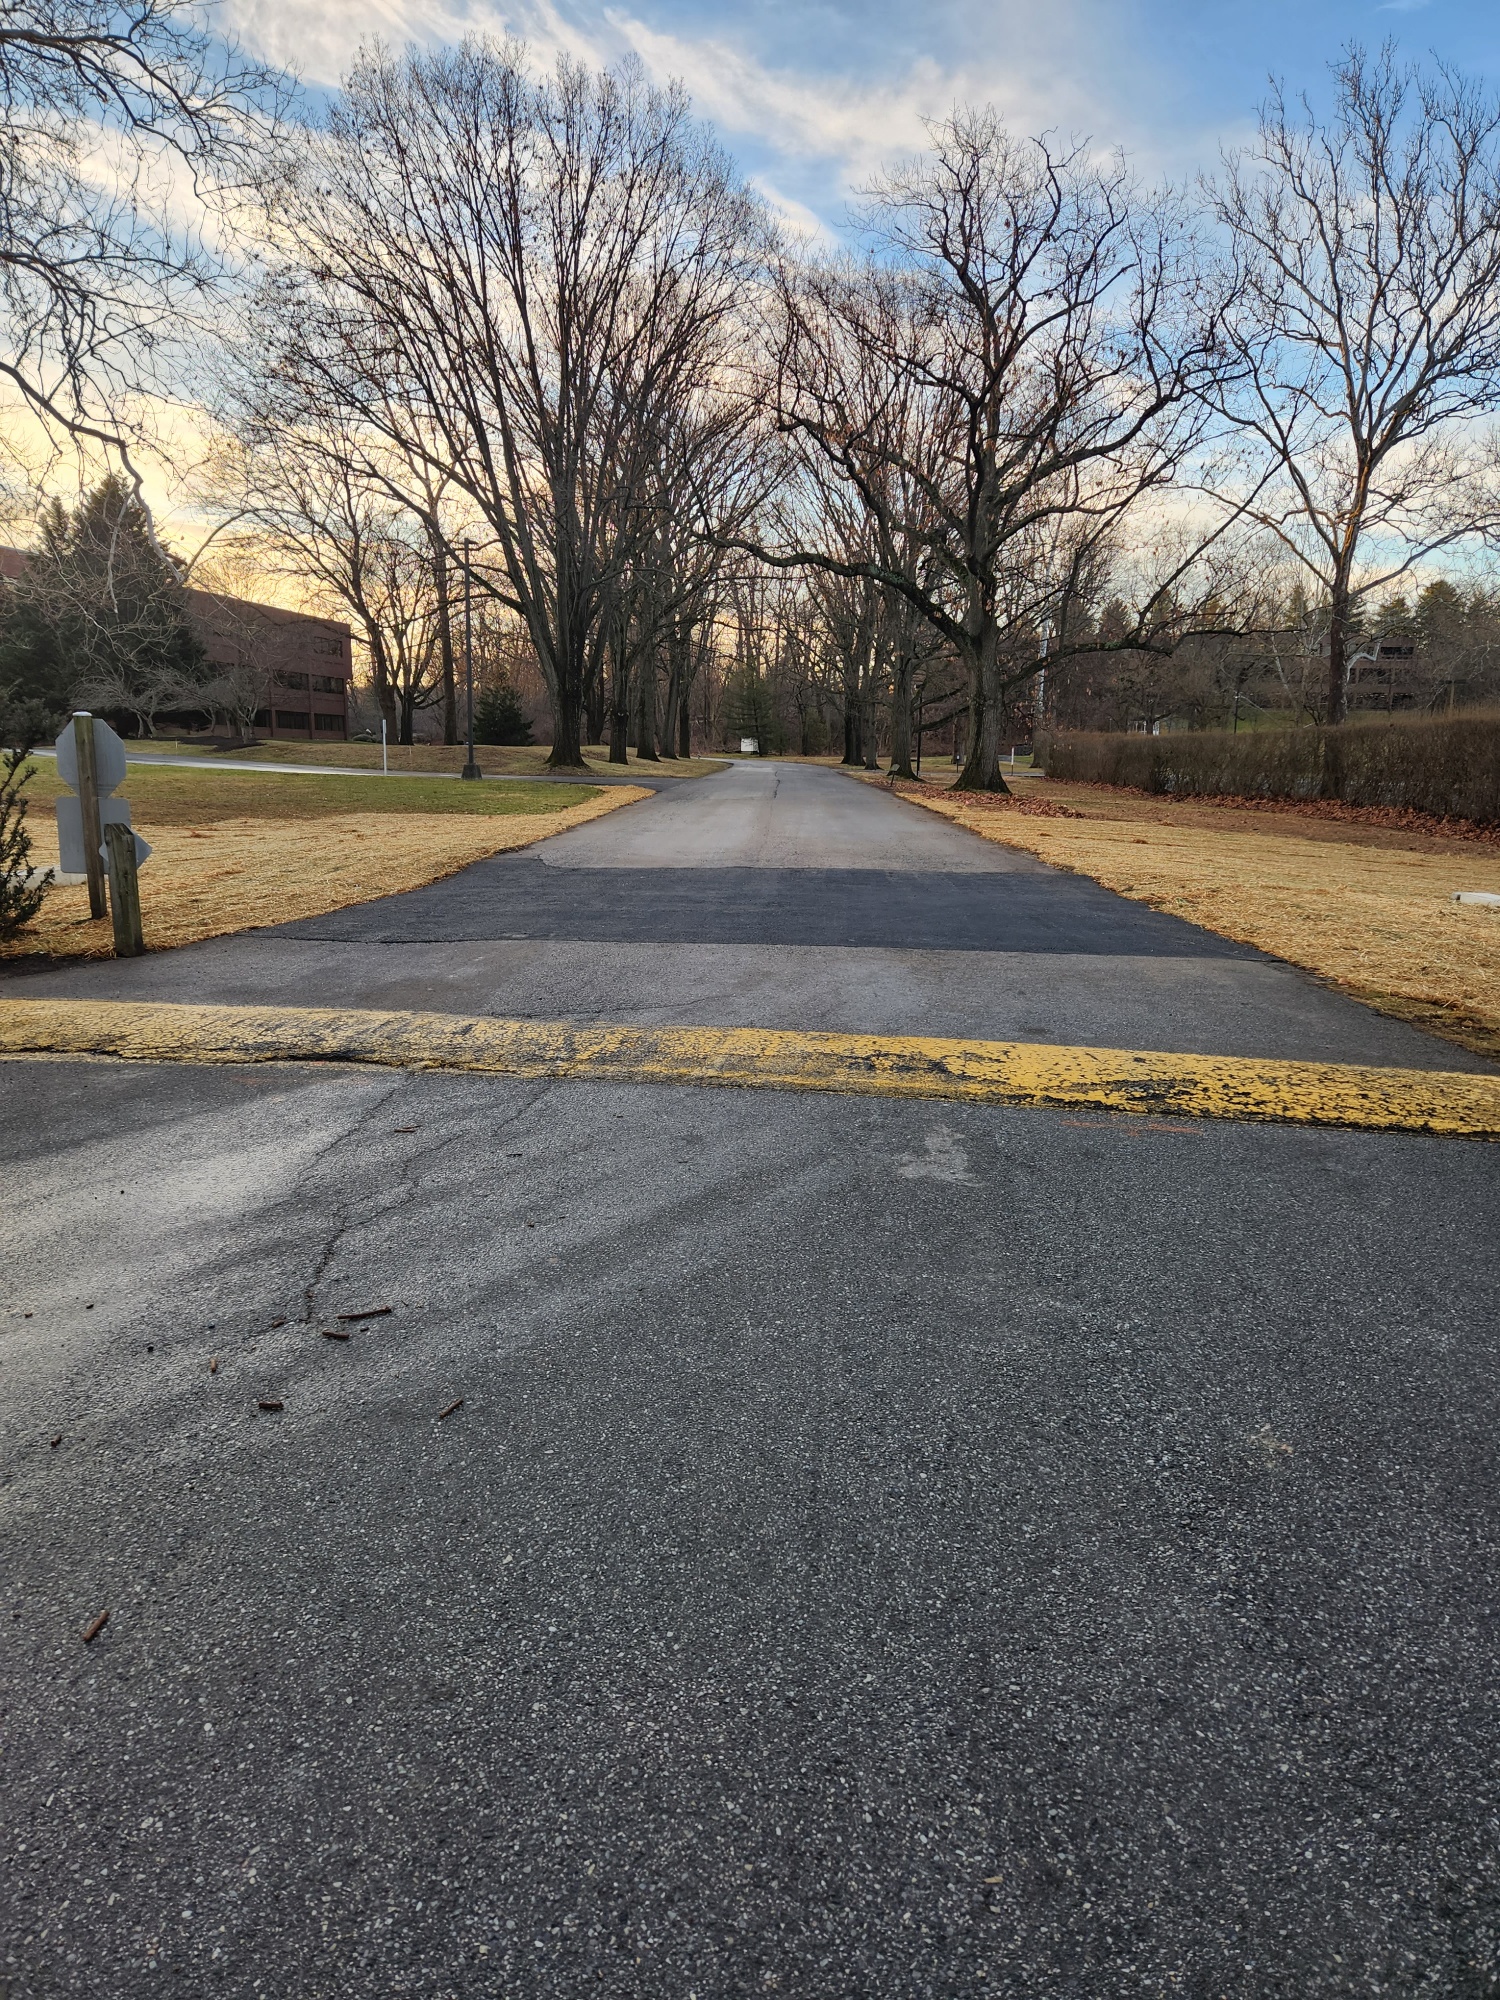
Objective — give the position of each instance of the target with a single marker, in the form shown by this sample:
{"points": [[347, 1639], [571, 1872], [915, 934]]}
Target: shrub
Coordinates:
{"points": [[1448, 765], [21, 890]]}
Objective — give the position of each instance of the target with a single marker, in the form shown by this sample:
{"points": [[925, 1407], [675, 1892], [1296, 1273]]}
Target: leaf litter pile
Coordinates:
{"points": [[1361, 897]]}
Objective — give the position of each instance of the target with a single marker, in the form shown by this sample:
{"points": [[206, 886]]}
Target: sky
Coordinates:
{"points": [[813, 95]]}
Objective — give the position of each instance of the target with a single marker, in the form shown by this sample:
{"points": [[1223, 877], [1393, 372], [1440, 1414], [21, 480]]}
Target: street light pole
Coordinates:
{"points": [[471, 768]]}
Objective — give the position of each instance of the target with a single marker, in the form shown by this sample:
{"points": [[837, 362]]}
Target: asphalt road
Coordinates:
{"points": [[884, 1548]]}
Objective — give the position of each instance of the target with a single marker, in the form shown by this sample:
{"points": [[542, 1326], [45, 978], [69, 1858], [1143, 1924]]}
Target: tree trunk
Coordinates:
{"points": [[445, 637], [597, 705], [567, 732], [851, 735], [566, 683], [901, 722], [674, 695], [684, 721], [619, 703], [645, 728], [981, 771], [872, 734], [1338, 647]]}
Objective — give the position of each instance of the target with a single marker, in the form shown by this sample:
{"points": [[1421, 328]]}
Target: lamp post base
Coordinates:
{"points": [[471, 770]]}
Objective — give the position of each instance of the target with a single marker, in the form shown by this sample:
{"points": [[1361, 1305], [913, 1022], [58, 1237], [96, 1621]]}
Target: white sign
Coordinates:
{"points": [[142, 850], [70, 855], [109, 758], [748, 746]]}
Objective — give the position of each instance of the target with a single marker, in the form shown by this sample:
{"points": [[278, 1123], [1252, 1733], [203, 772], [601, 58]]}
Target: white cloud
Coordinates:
{"points": [[814, 130]]}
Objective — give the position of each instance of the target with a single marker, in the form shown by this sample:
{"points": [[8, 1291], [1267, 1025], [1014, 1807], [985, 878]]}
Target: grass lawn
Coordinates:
{"points": [[160, 796], [1366, 907], [233, 850], [494, 760]]}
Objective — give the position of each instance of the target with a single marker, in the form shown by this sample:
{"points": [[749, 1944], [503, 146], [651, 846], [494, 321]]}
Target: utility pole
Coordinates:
{"points": [[471, 768]]}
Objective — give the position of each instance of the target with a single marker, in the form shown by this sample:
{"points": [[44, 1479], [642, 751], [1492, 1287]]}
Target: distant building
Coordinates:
{"points": [[301, 666], [1387, 675], [307, 662]]}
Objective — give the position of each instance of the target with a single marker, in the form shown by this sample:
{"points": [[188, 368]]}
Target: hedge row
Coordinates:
{"points": [[1444, 764]]}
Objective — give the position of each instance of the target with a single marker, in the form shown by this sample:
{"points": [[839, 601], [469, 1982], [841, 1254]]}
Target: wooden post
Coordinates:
{"points": [[124, 892], [88, 803]]}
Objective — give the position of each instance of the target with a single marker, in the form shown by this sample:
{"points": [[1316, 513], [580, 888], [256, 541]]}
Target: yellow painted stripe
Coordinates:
{"points": [[1299, 1093]]}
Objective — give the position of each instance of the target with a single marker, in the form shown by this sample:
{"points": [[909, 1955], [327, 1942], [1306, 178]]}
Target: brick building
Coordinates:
{"points": [[298, 667], [306, 663]]}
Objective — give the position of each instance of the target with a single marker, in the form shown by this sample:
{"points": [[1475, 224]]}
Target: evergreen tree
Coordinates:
{"points": [[99, 619], [499, 716], [21, 887]]}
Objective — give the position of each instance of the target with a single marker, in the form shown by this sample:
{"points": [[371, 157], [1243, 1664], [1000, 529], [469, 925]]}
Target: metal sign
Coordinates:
{"points": [[71, 857], [109, 759], [142, 848]]}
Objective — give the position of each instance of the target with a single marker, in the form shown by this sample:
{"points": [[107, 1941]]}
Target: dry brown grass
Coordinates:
{"points": [[1369, 909], [236, 874]]}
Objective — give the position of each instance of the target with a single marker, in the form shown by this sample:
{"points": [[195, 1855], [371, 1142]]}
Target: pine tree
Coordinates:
{"points": [[21, 890], [99, 619], [499, 716]]}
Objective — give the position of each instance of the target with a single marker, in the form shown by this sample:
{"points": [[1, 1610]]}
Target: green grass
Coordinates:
{"points": [[160, 796], [494, 760]]}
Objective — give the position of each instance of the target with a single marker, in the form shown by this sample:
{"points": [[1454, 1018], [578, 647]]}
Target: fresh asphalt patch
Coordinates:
{"points": [[511, 897]]}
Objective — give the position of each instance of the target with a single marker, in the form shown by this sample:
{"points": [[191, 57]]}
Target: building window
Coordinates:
{"points": [[291, 680], [291, 718], [262, 719], [327, 684], [329, 642], [328, 722]]}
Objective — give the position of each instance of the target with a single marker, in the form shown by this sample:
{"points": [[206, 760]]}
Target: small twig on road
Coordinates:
{"points": [[266, 1404], [91, 1632], [450, 1409], [370, 1312], [333, 1333]]}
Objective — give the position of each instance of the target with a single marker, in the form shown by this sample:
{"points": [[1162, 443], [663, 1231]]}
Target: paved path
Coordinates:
{"points": [[884, 1548]]}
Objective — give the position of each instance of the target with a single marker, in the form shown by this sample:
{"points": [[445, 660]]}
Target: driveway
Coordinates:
{"points": [[883, 1548]]}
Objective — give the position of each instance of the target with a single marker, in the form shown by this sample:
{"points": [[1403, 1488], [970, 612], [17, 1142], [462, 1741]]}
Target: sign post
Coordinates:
{"points": [[86, 784], [94, 840], [120, 852]]}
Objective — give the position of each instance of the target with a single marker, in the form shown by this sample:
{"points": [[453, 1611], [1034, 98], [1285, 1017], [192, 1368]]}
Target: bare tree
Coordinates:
{"points": [[516, 279], [1039, 324], [1365, 329], [99, 277], [319, 516]]}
